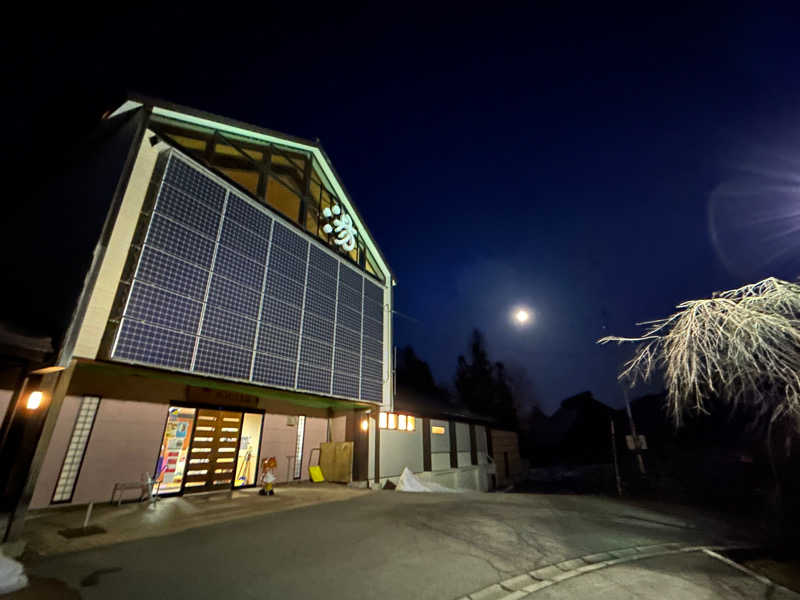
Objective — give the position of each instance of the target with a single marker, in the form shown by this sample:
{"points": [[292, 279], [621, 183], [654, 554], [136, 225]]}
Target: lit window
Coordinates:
{"points": [[396, 421], [437, 429]]}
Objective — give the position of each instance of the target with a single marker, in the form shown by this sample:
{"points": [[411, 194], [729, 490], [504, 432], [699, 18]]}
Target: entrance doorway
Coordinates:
{"points": [[206, 449], [212, 453]]}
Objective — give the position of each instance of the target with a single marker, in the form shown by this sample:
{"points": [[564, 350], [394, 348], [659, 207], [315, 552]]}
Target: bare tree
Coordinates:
{"points": [[741, 345]]}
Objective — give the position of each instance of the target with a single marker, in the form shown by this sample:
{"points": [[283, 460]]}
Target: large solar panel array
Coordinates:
{"points": [[224, 289]]}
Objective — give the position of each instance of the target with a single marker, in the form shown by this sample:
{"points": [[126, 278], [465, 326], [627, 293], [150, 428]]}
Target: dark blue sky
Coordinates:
{"points": [[560, 159]]}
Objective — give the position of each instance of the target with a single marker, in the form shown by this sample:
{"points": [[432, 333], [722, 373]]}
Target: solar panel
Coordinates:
{"points": [[323, 262], [171, 273], [350, 298], [220, 359], [288, 265], [228, 327], [345, 385], [321, 283], [371, 369], [273, 370], [318, 328], [159, 307], [371, 390], [314, 379], [146, 344], [279, 314], [348, 318], [320, 305], [346, 362], [290, 242], [177, 206], [316, 353], [203, 189], [236, 298], [224, 288], [373, 292], [237, 268], [279, 342], [348, 340], [373, 349], [373, 310], [244, 241], [241, 212], [373, 329], [284, 289], [179, 241], [350, 277]]}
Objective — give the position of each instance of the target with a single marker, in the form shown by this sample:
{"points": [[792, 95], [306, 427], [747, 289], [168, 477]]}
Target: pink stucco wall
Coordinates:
{"points": [[125, 441], [54, 457], [278, 439], [124, 445]]}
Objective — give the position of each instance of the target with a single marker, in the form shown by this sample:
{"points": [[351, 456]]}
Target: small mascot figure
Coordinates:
{"points": [[268, 466]]}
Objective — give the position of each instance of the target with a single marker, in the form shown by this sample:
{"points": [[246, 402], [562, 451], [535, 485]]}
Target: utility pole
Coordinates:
{"points": [[614, 452], [636, 445]]}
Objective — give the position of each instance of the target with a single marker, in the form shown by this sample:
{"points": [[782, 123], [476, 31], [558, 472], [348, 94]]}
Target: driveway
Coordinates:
{"points": [[378, 545]]}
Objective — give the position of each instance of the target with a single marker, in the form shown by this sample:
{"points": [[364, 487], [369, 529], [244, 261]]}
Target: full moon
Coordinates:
{"points": [[521, 316]]}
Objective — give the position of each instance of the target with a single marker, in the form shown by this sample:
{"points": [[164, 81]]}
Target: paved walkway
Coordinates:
{"points": [[138, 520]]}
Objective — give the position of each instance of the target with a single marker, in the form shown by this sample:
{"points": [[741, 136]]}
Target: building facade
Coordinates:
{"points": [[236, 308]]}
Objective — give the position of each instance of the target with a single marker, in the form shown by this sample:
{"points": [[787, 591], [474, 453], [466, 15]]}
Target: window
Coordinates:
{"points": [[76, 449], [298, 451], [281, 198], [396, 421], [438, 430], [175, 449], [247, 459]]}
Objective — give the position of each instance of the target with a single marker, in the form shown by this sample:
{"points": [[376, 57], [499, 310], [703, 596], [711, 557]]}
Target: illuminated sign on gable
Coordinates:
{"points": [[342, 227]]}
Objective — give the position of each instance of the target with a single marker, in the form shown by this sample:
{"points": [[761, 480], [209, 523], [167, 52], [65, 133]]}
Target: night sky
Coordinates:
{"points": [[598, 168]]}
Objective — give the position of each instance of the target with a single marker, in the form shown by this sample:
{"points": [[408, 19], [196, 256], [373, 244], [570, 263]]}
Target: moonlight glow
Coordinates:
{"points": [[521, 316]]}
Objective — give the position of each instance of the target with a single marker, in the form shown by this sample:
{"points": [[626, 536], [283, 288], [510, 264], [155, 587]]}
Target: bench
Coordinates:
{"points": [[144, 485]]}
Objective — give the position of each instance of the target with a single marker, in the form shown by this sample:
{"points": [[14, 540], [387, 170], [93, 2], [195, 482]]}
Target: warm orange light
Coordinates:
{"points": [[364, 425], [382, 421], [401, 422], [34, 400], [437, 429], [410, 423], [392, 421]]}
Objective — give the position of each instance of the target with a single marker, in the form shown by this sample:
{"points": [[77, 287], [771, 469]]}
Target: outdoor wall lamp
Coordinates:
{"points": [[34, 400], [364, 425]]}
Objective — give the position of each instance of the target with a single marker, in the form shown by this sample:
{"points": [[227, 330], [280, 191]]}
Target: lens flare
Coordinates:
{"points": [[754, 217]]}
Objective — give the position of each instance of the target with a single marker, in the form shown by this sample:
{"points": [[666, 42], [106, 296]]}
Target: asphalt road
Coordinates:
{"points": [[382, 545]]}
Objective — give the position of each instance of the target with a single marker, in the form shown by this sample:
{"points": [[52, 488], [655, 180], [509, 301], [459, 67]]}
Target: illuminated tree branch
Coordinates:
{"points": [[741, 345]]}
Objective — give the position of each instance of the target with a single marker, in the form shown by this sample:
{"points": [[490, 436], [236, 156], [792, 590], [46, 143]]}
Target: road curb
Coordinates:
{"points": [[521, 585]]}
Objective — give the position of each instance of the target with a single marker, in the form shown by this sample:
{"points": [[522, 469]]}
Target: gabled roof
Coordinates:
{"points": [[224, 124]]}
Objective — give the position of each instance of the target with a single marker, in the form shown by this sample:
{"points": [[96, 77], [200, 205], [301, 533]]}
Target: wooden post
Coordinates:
{"points": [[426, 444], [453, 445], [473, 445]]}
